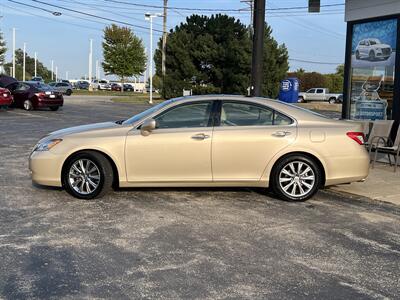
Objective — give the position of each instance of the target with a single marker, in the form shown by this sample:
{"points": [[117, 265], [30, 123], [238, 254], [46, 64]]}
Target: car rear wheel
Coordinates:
{"points": [[68, 92], [332, 100], [28, 105], [87, 175], [300, 100], [296, 178]]}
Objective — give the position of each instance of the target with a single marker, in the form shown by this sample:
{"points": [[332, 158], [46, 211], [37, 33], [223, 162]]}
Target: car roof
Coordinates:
{"points": [[296, 112]]}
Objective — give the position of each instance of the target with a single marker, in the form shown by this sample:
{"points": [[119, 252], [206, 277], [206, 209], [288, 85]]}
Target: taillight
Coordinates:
{"points": [[357, 136], [41, 95]]}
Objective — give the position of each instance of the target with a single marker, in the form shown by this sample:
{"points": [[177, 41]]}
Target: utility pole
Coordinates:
{"points": [[250, 3], [97, 70], [13, 55], [90, 61], [35, 64], [56, 73], [258, 48], [52, 70], [24, 63], [164, 46], [149, 17]]}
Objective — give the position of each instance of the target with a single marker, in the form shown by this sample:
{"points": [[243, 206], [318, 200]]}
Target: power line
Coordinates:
{"points": [[315, 62], [88, 14], [214, 9]]}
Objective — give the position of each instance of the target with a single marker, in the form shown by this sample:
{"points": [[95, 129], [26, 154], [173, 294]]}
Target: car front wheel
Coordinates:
{"points": [[87, 175], [296, 178]]}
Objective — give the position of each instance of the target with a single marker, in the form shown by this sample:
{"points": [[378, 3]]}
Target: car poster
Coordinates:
{"points": [[372, 69]]}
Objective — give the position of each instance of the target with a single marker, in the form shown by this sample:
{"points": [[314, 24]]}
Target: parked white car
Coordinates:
{"points": [[373, 49], [319, 94], [101, 84]]}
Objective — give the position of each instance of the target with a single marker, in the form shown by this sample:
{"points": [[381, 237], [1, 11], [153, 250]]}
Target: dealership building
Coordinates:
{"points": [[372, 61]]}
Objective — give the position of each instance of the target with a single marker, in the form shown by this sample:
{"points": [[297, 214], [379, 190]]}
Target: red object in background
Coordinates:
{"points": [[6, 99], [116, 87]]}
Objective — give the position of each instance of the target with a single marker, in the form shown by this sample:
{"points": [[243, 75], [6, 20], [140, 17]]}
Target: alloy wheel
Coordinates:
{"points": [[297, 179], [84, 176]]}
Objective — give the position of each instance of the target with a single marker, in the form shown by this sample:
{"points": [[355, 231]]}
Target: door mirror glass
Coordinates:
{"points": [[147, 127]]}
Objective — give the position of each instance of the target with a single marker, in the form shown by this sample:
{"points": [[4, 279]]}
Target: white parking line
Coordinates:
{"points": [[27, 114]]}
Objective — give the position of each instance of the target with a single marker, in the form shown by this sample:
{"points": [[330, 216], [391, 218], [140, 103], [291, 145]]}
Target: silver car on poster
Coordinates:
{"points": [[372, 49]]}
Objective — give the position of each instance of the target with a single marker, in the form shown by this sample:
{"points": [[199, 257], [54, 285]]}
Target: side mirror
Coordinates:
{"points": [[147, 127]]}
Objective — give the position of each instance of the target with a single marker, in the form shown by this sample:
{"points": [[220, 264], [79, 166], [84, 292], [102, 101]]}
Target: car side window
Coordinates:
{"points": [[311, 91], [320, 91], [22, 87], [244, 114], [185, 116]]}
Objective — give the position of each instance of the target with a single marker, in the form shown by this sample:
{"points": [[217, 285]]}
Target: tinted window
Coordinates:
{"points": [[320, 91], [185, 116], [311, 91], [241, 114], [245, 114], [280, 119], [22, 87], [362, 43], [372, 42]]}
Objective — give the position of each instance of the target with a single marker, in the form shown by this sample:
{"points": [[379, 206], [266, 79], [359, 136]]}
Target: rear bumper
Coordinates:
{"points": [[50, 103], [6, 101], [342, 170]]}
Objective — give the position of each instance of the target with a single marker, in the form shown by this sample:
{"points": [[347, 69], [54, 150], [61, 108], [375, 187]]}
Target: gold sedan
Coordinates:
{"points": [[205, 141]]}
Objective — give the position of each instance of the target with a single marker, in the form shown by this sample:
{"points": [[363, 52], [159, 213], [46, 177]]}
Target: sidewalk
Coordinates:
{"points": [[382, 184]]}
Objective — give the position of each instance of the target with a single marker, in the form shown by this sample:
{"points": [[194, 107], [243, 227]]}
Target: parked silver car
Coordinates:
{"points": [[63, 87]]}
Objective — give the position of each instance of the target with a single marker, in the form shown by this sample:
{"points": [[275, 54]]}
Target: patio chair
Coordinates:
{"points": [[390, 149], [379, 135]]}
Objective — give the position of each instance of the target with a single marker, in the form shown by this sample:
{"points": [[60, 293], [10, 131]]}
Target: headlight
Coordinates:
{"points": [[46, 146]]}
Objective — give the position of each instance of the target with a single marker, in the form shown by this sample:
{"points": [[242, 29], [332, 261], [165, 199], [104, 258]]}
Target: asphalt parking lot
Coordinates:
{"points": [[181, 243]]}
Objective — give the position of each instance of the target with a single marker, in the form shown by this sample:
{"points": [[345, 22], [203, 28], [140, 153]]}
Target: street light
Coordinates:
{"points": [[149, 17]]}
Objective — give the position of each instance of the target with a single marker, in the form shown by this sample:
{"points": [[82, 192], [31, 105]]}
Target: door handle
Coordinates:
{"points": [[200, 136], [281, 133]]}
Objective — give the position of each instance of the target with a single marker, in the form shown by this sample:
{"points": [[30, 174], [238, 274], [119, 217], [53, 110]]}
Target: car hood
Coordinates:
{"points": [[382, 46], [82, 129]]}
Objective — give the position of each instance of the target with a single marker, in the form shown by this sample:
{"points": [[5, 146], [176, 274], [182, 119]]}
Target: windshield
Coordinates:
{"points": [[146, 113]]}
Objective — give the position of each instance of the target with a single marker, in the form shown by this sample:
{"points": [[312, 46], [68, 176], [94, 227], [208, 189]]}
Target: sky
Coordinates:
{"points": [[316, 42]]}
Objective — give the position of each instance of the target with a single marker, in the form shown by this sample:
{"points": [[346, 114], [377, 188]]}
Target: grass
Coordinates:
{"points": [[121, 97]]}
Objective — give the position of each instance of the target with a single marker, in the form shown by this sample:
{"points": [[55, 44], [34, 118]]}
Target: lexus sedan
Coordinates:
{"points": [[34, 95], [208, 141]]}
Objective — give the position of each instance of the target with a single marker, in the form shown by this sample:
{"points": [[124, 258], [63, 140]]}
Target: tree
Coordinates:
{"points": [[123, 52], [3, 50], [213, 55], [29, 67]]}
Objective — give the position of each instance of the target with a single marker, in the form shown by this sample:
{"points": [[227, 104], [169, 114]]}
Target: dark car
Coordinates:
{"points": [[34, 95], [82, 85], [115, 87], [128, 87]]}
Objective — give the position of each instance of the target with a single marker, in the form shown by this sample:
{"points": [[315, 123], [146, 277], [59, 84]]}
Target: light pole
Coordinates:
{"points": [[56, 73], [24, 63], [35, 64], [52, 70], [90, 63], [13, 55], [149, 17]]}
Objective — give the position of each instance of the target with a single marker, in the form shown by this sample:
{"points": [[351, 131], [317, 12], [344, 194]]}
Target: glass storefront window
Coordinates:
{"points": [[372, 69]]}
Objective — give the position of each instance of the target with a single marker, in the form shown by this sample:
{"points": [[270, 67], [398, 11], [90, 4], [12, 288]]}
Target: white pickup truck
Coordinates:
{"points": [[319, 94]]}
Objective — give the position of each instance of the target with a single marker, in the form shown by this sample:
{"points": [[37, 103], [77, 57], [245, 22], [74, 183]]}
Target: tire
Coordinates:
{"points": [[371, 55], [101, 175], [54, 108], [68, 93], [28, 105], [332, 100], [300, 100], [357, 54], [287, 187]]}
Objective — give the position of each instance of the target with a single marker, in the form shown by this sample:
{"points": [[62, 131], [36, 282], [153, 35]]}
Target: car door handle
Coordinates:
{"points": [[281, 133], [200, 136]]}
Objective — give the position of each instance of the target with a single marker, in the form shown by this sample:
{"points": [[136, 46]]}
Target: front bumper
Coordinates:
{"points": [[50, 103], [46, 167]]}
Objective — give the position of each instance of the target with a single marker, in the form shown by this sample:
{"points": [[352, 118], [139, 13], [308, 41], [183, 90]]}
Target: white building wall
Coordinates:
{"points": [[364, 9]]}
